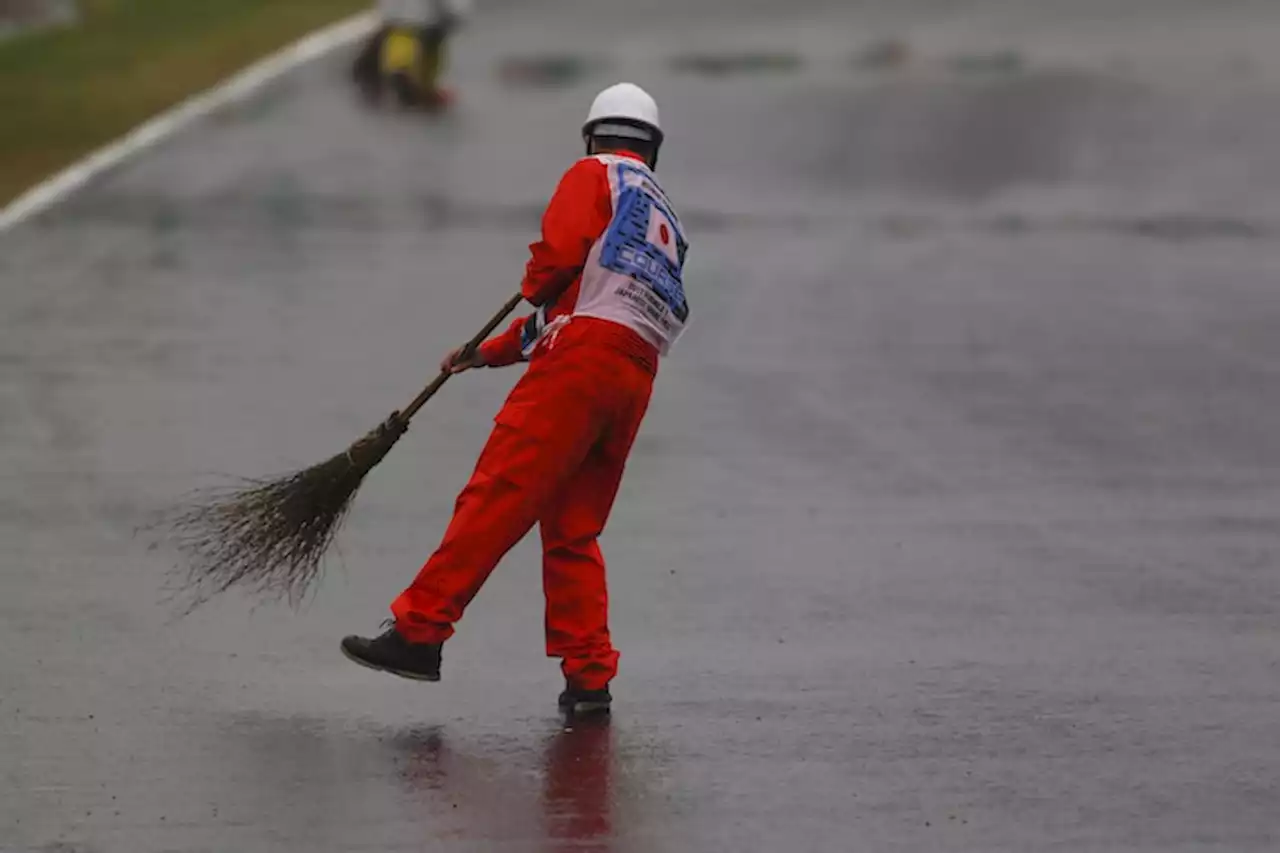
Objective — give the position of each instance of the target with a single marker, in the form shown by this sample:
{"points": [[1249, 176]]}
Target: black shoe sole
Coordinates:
{"points": [[587, 708], [403, 673]]}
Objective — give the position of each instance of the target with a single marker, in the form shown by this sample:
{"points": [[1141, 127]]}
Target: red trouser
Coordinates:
{"points": [[555, 457]]}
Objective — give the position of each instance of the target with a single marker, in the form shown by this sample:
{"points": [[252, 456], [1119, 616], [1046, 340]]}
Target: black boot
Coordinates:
{"points": [[575, 700], [392, 653]]}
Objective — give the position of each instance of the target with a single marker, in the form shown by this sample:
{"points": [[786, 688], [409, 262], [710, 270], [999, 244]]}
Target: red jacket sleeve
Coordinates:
{"points": [[579, 212], [506, 348]]}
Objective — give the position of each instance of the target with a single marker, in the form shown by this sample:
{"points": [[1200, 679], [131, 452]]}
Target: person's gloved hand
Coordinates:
{"points": [[455, 362]]}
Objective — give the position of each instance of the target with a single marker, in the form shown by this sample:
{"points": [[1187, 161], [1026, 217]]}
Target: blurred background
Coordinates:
{"points": [[952, 525]]}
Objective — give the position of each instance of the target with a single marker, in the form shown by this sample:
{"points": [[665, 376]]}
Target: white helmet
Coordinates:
{"points": [[624, 110], [455, 8]]}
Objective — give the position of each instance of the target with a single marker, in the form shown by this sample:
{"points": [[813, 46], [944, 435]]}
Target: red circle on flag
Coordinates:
{"points": [[664, 234]]}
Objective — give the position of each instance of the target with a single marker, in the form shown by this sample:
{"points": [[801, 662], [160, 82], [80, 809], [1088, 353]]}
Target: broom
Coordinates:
{"points": [[270, 536]]}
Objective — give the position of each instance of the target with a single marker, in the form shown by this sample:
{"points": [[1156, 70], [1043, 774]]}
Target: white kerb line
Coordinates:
{"points": [[236, 88]]}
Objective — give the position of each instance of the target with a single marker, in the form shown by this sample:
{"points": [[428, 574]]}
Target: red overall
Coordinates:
{"points": [[556, 453]]}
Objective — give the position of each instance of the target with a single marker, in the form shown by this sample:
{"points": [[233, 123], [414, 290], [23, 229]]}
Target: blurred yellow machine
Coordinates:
{"points": [[410, 65], [407, 53]]}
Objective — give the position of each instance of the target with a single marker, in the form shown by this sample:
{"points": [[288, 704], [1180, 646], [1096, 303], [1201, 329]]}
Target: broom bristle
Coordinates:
{"points": [[270, 536]]}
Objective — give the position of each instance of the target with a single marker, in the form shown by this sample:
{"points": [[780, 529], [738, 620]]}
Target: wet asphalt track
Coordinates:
{"points": [[952, 528]]}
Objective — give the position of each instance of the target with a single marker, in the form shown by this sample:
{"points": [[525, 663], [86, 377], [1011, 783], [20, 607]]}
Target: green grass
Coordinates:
{"points": [[66, 92]]}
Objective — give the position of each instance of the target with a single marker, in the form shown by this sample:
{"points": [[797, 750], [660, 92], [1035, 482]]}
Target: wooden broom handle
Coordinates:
{"points": [[429, 392]]}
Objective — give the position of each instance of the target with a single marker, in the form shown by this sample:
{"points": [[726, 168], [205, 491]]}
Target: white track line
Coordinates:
{"points": [[235, 89]]}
